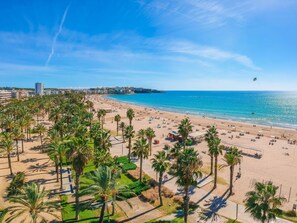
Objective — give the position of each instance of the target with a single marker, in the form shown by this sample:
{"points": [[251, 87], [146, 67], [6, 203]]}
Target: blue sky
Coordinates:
{"points": [[163, 44]]}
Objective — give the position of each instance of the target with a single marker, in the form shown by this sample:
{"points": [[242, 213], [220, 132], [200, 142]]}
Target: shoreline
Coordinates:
{"points": [[220, 119]]}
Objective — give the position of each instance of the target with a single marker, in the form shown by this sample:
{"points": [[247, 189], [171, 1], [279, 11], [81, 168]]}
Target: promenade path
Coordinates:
{"points": [[212, 205]]}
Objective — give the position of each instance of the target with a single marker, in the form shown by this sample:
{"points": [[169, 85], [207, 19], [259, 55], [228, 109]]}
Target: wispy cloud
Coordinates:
{"points": [[56, 36]]}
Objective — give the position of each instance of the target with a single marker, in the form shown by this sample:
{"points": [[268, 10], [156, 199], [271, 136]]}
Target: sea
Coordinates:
{"points": [[269, 108]]}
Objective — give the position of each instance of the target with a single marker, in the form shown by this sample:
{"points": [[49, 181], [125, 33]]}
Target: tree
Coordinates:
{"points": [[122, 127], [209, 137], [31, 205], [79, 154], [263, 202], [141, 150], [104, 140], [103, 187], [150, 134], [16, 185], [101, 114], [129, 133], [141, 134], [160, 164], [184, 129], [102, 158], [58, 150], [187, 173], [95, 132], [130, 115], [232, 158], [215, 150], [7, 144], [17, 135], [117, 119], [40, 129]]}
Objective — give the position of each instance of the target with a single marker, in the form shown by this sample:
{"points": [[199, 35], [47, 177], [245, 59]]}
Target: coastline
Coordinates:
{"points": [[263, 127]]}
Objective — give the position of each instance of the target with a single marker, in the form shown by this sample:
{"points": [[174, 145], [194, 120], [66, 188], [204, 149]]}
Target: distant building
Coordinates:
{"points": [[5, 96], [39, 88]]}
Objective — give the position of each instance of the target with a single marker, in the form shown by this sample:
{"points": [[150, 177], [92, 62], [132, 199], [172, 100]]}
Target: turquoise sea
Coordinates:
{"points": [[269, 108]]}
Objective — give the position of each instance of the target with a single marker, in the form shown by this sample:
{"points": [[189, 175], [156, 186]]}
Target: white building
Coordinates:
{"points": [[39, 88], [5, 96]]}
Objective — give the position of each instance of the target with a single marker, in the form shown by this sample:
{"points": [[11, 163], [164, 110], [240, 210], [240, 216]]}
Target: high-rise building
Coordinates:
{"points": [[39, 87]]}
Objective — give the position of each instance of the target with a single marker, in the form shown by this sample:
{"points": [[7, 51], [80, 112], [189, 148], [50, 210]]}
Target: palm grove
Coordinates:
{"points": [[77, 137]]}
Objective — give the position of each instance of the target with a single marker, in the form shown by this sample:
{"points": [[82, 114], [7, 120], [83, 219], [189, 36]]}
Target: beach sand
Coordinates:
{"points": [[278, 162]]}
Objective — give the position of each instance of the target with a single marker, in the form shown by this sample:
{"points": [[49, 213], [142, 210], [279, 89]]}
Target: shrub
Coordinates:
{"points": [[291, 213], [16, 184], [122, 159], [178, 199], [129, 166]]}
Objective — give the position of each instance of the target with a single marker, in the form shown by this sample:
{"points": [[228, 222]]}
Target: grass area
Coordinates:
{"points": [[232, 221], [293, 219], [169, 206], [176, 220], [85, 216], [125, 180]]}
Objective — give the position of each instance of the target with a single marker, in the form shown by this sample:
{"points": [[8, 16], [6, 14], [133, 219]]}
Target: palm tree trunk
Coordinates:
{"points": [[9, 163], [40, 139], [22, 145], [129, 147], [215, 172], [113, 206], [186, 204], [61, 175], [57, 170], [77, 176], [211, 164], [17, 150], [117, 128], [150, 144], [231, 179], [140, 176], [160, 188], [123, 135], [102, 212], [130, 121]]}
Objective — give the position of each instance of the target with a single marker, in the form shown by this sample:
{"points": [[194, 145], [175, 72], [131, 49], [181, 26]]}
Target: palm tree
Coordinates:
{"points": [[129, 133], [184, 129], [160, 164], [141, 134], [141, 150], [40, 129], [17, 135], [103, 187], [101, 114], [117, 119], [104, 140], [150, 134], [122, 127], [102, 158], [209, 137], [215, 150], [7, 144], [187, 173], [263, 202], [232, 158], [79, 154], [58, 150], [130, 115], [95, 132], [31, 205]]}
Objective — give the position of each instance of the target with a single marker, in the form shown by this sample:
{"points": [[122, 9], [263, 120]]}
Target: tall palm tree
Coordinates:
{"points": [[129, 133], [31, 205], [79, 154], [58, 150], [141, 150], [101, 114], [102, 158], [104, 140], [7, 144], [187, 173], [122, 127], [117, 119], [150, 134], [103, 187], [232, 158], [40, 129], [130, 115], [263, 202], [209, 137], [17, 135], [160, 164], [184, 129], [215, 150], [95, 132]]}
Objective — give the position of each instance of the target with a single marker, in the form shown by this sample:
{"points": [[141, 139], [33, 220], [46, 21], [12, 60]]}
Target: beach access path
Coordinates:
{"points": [[212, 205]]}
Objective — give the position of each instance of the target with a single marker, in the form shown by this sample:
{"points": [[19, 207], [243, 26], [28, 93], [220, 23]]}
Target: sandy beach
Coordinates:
{"points": [[276, 145]]}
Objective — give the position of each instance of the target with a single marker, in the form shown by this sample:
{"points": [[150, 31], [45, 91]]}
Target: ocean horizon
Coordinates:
{"points": [[269, 108]]}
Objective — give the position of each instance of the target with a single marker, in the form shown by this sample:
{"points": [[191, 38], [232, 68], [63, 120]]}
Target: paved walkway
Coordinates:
{"points": [[211, 204]]}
